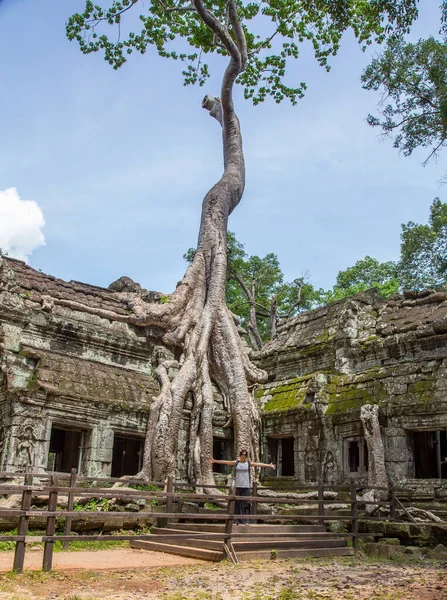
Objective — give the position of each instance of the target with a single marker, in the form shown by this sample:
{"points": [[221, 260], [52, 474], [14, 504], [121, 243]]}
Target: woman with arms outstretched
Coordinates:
{"points": [[242, 480]]}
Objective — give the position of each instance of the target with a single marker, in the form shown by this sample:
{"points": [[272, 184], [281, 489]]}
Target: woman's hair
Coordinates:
{"points": [[243, 451]]}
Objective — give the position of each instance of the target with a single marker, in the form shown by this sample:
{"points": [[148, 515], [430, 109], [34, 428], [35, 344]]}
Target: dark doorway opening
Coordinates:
{"points": [[353, 456], [430, 454], [281, 452], [288, 462], [65, 450], [220, 452], [127, 456]]}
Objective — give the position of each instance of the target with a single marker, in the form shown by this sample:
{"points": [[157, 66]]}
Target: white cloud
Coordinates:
{"points": [[21, 223]]}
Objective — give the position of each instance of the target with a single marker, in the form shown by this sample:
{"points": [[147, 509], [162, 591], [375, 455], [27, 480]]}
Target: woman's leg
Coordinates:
{"points": [[239, 509], [245, 509]]}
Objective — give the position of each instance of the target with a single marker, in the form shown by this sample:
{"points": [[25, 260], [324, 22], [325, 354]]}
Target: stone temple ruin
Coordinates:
{"points": [[76, 388]]}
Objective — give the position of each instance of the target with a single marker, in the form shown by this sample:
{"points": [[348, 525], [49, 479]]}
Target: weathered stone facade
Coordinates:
{"points": [[69, 370], [76, 387], [326, 363]]}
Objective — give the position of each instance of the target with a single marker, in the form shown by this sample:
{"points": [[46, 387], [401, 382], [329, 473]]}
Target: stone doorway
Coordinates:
{"points": [[65, 451], [127, 456], [355, 457], [221, 451], [430, 454], [282, 452]]}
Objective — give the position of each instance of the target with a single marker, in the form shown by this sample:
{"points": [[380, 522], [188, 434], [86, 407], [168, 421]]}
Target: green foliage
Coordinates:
{"points": [[423, 261], [365, 274], [274, 31], [145, 487], [413, 78], [269, 283], [94, 504]]}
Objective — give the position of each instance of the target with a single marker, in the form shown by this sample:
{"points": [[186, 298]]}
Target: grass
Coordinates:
{"points": [[75, 545]]}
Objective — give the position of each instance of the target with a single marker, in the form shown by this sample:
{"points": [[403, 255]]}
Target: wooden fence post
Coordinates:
{"points": [[321, 502], [169, 499], [254, 504], [392, 503], [229, 523], [355, 521], [48, 546], [70, 504], [19, 554]]}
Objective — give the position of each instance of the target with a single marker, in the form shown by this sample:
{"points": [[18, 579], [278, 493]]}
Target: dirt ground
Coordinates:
{"points": [[123, 574]]}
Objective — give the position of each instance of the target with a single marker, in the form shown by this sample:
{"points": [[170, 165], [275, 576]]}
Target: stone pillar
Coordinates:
{"points": [[397, 454], [98, 451]]}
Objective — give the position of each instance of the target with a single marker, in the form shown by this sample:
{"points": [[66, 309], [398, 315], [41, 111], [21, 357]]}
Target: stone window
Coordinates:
{"points": [[355, 456], [430, 454], [66, 447], [127, 457]]}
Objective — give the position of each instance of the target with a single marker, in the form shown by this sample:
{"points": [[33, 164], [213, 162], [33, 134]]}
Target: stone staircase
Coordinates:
{"points": [[249, 542]]}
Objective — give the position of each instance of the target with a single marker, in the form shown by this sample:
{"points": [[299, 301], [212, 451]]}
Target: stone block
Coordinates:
{"points": [[390, 552], [400, 530], [438, 553], [413, 550], [390, 541], [372, 549]]}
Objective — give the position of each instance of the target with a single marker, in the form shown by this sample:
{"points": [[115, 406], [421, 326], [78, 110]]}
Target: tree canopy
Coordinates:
{"points": [[423, 261], [413, 79], [273, 31], [365, 274]]}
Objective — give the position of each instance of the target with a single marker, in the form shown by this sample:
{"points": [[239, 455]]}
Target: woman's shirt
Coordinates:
{"points": [[243, 475]]}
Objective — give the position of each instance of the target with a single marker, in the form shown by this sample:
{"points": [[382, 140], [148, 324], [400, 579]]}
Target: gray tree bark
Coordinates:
{"points": [[369, 415], [195, 317]]}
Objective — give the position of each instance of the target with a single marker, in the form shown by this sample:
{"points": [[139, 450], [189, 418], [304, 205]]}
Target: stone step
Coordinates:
{"points": [[292, 544], [192, 542], [258, 544], [240, 535], [252, 528], [293, 553], [190, 551]]}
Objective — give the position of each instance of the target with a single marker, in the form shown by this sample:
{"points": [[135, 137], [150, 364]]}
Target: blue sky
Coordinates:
{"points": [[119, 161]]}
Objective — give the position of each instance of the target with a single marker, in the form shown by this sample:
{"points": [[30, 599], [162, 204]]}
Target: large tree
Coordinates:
{"points": [[423, 251], [365, 274], [413, 80], [256, 41]]}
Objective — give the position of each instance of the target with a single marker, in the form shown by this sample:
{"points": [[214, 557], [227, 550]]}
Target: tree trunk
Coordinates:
{"points": [[369, 415], [196, 318]]}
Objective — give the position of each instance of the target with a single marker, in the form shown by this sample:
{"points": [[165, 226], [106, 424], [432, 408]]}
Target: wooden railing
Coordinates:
{"points": [[169, 493]]}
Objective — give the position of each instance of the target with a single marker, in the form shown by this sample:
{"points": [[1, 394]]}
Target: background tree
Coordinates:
{"points": [[257, 41], [413, 78], [365, 274], [423, 254], [257, 293]]}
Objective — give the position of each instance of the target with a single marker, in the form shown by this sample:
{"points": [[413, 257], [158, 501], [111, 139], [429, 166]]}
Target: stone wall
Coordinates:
{"points": [[66, 368], [89, 379], [325, 364]]}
